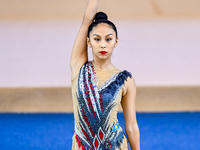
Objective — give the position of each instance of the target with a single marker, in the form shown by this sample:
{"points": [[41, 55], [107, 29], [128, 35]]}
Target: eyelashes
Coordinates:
{"points": [[109, 39], [97, 39]]}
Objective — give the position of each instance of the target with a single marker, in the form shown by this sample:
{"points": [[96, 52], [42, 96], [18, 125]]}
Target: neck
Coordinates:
{"points": [[103, 64]]}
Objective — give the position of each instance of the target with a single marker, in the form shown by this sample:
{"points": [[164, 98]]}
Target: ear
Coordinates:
{"points": [[116, 43], [88, 42]]}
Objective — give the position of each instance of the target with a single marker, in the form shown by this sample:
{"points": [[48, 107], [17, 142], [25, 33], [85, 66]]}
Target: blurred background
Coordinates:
{"points": [[159, 43]]}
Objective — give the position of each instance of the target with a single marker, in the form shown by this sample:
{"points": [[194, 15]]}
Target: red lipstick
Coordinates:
{"points": [[103, 52]]}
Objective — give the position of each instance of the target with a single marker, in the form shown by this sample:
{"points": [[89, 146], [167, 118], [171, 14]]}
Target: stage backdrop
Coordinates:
{"points": [[158, 41], [157, 52]]}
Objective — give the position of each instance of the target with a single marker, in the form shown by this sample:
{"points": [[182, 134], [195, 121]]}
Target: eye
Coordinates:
{"points": [[96, 39], [109, 39]]}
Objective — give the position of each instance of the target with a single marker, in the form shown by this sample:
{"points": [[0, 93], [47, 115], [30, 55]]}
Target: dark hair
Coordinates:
{"points": [[101, 17]]}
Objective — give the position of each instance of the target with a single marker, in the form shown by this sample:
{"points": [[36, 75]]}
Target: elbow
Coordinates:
{"points": [[133, 130]]}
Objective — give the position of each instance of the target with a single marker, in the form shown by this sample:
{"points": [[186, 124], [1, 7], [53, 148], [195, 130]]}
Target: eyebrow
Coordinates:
{"points": [[99, 35]]}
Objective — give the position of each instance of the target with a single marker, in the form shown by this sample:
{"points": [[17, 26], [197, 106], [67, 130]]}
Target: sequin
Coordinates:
{"points": [[97, 94]]}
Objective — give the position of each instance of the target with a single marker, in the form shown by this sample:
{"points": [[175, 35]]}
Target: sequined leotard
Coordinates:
{"points": [[96, 97]]}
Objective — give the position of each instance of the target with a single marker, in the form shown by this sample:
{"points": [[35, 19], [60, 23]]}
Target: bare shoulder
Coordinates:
{"points": [[75, 69], [129, 86]]}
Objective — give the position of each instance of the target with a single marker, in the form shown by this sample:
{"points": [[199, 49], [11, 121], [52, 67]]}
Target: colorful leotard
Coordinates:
{"points": [[96, 97]]}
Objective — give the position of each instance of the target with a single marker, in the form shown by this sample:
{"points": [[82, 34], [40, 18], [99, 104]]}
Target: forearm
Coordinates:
{"points": [[79, 52], [134, 137], [91, 10]]}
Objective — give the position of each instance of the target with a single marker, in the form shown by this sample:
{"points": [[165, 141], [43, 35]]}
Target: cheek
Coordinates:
{"points": [[94, 43], [95, 46], [112, 44]]}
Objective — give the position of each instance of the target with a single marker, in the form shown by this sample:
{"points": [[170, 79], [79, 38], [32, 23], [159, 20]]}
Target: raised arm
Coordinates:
{"points": [[79, 52], [128, 105]]}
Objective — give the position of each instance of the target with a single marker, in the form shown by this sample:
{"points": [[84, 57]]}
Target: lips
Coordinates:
{"points": [[103, 52]]}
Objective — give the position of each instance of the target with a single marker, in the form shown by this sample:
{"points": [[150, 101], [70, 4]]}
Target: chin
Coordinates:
{"points": [[103, 57]]}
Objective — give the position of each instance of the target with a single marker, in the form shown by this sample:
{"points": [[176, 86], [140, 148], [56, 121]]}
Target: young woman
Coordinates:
{"points": [[98, 88]]}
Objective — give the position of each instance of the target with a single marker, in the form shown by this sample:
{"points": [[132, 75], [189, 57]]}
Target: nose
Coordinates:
{"points": [[103, 45]]}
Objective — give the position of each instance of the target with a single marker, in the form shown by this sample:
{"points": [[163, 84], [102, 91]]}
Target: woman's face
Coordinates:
{"points": [[102, 39]]}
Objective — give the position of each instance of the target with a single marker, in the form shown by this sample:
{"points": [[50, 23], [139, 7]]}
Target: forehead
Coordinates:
{"points": [[102, 29]]}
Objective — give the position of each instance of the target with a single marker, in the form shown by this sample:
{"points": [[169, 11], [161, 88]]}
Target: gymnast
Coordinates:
{"points": [[98, 88]]}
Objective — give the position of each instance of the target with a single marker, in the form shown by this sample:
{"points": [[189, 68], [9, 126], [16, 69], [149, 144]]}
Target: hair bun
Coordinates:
{"points": [[100, 16]]}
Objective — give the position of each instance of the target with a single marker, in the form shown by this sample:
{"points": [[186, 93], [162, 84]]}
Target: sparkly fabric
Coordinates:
{"points": [[96, 97]]}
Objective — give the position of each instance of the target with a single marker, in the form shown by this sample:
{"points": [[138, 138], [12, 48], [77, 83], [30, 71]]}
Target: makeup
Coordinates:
{"points": [[103, 52]]}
